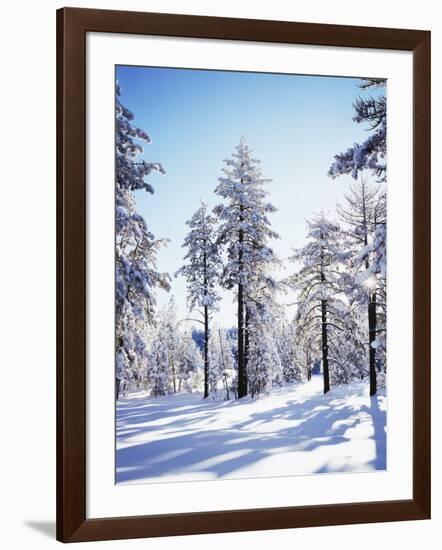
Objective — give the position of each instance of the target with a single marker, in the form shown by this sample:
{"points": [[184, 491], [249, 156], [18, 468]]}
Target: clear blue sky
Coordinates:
{"points": [[293, 123]]}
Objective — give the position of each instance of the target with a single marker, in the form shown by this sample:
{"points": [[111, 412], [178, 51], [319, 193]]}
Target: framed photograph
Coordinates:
{"points": [[243, 275]]}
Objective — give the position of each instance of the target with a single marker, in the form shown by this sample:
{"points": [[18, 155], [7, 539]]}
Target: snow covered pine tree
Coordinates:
{"points": [[221, 362], [321, 313], [363, 211], [285, 342], [244, 232], [371, 155], [202, 273], [136, 274]]}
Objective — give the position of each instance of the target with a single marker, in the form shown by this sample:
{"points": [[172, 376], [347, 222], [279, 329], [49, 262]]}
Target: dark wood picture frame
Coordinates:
{"points": [[72, 26]]}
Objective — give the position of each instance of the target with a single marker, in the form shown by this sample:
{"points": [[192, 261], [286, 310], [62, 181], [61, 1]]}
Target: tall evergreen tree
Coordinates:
{"points": [[136, 274], [321, 312], [370, 156], [363, 212], [201, 271], [244, 232], [374, 278]]}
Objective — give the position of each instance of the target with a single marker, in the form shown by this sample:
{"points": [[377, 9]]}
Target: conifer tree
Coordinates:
{"points": [[285, 342], [190, 362], [136, 274], [244, 232], [265, 368], [364, 215], [370, 156], [221, 361], [321, 313], [158, 367], [201, 271]]}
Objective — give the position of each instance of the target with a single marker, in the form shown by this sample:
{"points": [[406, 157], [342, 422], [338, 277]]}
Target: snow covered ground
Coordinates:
{"points": [[293, 431]]}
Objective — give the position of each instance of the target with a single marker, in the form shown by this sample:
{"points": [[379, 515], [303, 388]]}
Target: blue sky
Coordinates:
{"points": [[293, 123]]}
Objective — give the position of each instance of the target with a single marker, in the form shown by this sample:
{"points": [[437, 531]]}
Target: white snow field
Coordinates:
{"points": [[293, 431]]}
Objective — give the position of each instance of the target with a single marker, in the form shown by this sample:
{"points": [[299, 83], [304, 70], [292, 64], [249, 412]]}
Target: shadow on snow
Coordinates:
{"points": [[220, 452]]}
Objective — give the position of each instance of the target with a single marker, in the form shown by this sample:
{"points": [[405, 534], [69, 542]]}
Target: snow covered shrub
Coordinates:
{"points": [[264, 368]]}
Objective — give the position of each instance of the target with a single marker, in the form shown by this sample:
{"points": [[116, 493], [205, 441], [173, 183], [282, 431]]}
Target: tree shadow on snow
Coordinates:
{"points": [[219, 453], [140, 418]]}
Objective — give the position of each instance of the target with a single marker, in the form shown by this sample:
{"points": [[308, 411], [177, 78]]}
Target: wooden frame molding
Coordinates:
{"points": [[72, 26]]}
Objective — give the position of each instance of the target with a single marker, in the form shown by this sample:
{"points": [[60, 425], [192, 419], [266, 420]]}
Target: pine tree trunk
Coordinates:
{"points": [[242, 390], [226, 381], [371, 339], [242, 383], [308, 364], [117, 387], [324, 331], [246, 348], [206, 352], [325, 346], [371, 315], [173, 377]]}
